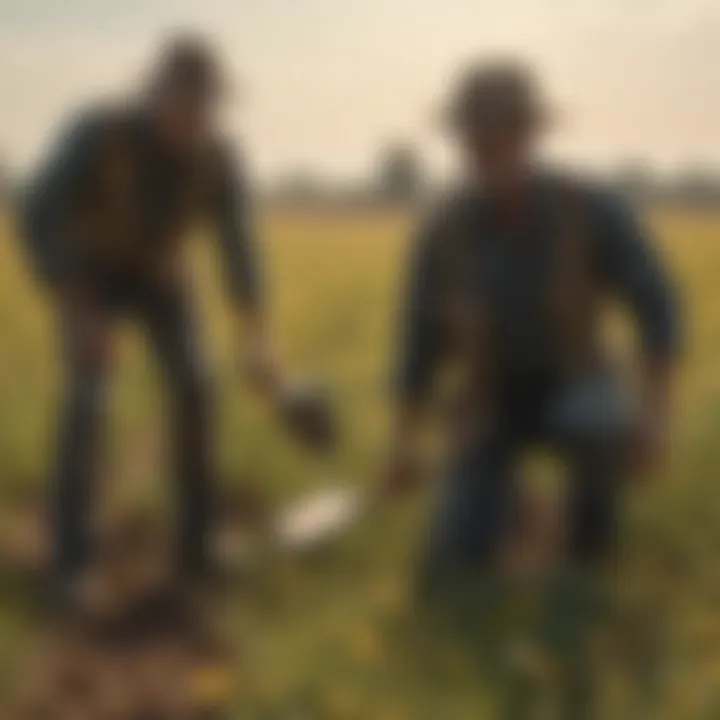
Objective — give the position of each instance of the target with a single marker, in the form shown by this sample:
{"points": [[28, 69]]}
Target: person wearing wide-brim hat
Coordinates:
{"points": [[509, 278], [105, 222]]}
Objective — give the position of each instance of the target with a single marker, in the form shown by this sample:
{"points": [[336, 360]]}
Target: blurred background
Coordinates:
{"points": [[336, 109]]}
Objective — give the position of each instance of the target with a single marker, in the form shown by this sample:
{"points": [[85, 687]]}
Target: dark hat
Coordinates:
{"points": [[495, 95], [189, 63]]}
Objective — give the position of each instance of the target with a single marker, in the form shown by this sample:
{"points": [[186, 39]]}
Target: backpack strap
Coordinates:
{"points": [[464, 318], [105, 214], [573, 295]]}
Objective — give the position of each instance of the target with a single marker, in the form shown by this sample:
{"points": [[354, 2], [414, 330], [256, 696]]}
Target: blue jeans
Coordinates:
{"points": [[168, 318], [588, 424]]}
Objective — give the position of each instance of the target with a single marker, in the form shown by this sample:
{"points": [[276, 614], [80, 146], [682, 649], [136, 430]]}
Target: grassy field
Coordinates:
{"points": [[335, 638]]}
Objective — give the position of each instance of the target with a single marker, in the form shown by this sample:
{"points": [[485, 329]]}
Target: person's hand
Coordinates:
{"points": [[400, 476], [652, 434], [650, 445], [303, 407], [262, 368]]}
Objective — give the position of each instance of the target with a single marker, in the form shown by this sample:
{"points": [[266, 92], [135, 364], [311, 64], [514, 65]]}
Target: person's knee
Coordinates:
{"points": [[474, 512]]}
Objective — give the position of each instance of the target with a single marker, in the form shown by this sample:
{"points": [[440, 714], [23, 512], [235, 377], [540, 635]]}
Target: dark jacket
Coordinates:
{"points": [[109, 200], [527, 301]]}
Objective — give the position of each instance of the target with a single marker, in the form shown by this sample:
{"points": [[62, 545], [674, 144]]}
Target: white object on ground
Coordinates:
{"points": [[319, 517]]}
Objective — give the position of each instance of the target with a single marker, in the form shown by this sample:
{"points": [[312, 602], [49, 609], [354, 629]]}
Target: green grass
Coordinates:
{"points": [[337, 636]]}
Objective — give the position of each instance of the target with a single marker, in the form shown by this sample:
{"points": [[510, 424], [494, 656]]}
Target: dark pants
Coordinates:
{"points": [[168, 319], [587, 424]]}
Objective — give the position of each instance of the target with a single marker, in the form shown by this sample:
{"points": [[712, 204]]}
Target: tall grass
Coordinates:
{"points": [[338, 635]]}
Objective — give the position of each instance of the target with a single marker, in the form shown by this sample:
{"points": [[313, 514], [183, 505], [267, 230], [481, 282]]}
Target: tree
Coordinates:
{"points": [[401, 174], [698, 186], [636, 179], [300, 186]]}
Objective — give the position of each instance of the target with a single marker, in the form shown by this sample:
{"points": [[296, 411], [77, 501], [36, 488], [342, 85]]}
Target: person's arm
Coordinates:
{"points": [[635, 272], [50, 200], [419, 349], [236, 234]]}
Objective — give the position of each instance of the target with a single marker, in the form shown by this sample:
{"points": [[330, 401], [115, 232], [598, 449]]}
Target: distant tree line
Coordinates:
{"points": [[401, 177], [694, 186]]}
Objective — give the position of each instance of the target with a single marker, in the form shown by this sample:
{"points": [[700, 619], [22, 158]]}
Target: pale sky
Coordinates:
{"points": [[327, 81]]}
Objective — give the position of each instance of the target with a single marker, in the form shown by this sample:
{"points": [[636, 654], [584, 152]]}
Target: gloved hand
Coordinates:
{"points": [[400, 477], [306, 411], [650, 445]]}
